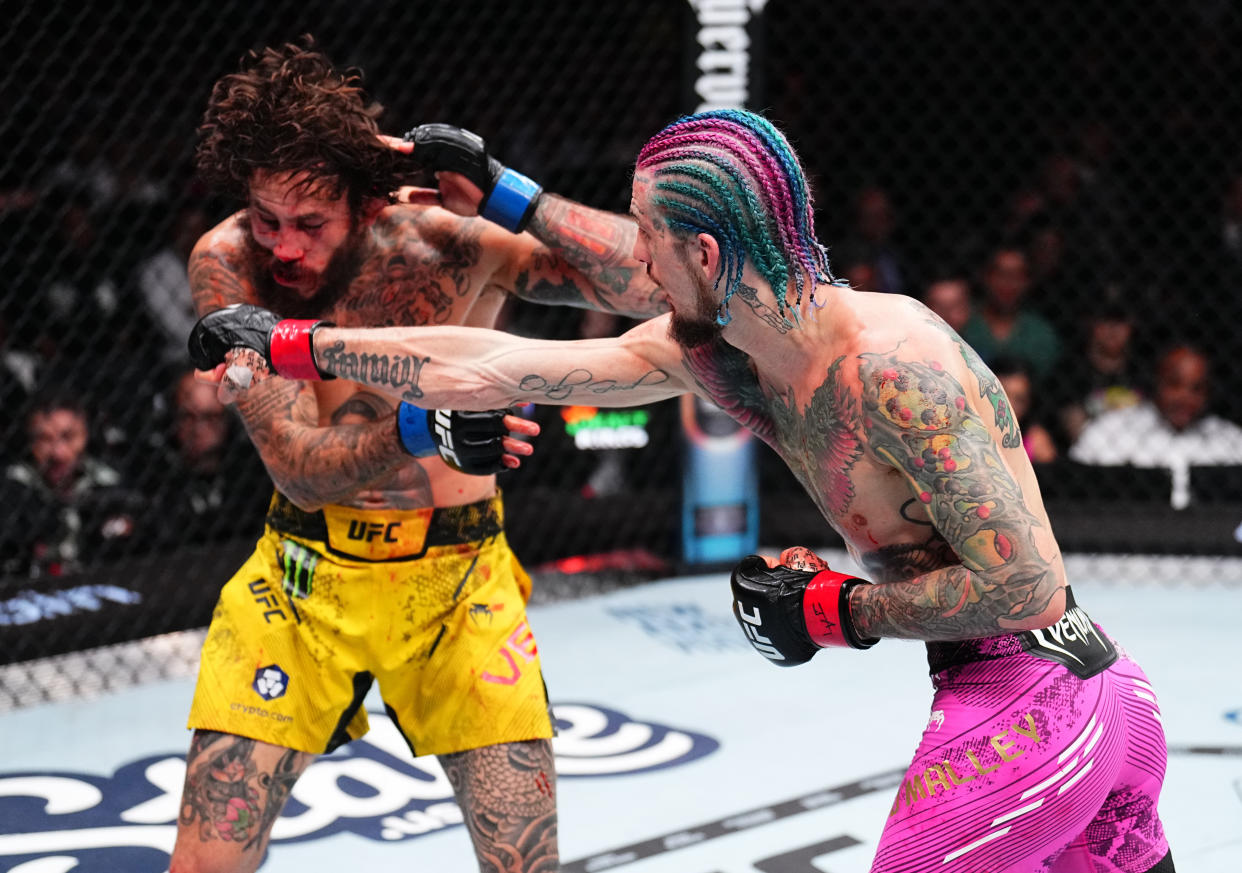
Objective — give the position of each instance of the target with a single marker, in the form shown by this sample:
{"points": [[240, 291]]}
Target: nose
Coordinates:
{"points": [[640, 251], [288, 247]]}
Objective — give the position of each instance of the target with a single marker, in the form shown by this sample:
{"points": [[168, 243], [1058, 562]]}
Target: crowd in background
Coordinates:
{"points": [[1098, 275]]}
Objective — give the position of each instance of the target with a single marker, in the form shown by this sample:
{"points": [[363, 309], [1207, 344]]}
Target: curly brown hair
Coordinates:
{"points": [[289, 110]]}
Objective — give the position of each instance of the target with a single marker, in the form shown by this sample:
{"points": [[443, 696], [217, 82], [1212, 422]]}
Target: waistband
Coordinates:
{"points": [[1074, 641], [388, 534]]}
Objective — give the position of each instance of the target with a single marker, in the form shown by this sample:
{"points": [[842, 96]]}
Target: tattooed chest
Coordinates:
{"points": [[399, 290]]}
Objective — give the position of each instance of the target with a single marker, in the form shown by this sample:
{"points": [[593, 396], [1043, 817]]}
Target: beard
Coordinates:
{"points": [[332, 284], [698, 327]]}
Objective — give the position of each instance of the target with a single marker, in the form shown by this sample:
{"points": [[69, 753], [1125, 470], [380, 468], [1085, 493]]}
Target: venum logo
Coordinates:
{"points": [[270, 682], [369, 787]]}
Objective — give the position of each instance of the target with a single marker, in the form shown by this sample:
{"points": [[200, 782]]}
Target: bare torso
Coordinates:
{"points": [[420, 266], [866, 430]]}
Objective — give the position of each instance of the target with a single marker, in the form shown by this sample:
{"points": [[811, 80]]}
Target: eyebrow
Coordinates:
{"points": [[313, 216]]}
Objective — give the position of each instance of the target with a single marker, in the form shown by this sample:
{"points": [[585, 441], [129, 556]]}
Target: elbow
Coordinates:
{"points": [[1053, 599]]}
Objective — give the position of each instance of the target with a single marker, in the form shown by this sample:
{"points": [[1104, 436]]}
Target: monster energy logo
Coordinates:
{"points": [[299, 563]]}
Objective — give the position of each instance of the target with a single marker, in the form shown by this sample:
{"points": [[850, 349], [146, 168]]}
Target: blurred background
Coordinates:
{"points": [[1062, 181]]}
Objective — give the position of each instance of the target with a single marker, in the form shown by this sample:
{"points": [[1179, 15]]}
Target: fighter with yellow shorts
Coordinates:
{"points": [[431, 603]]}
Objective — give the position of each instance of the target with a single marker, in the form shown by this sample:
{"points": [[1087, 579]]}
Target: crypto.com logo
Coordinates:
{"points": [[91, 824]]}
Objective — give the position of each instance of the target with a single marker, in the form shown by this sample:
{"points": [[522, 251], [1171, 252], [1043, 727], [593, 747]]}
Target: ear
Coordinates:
{"points": [[371, 208], [708, 256]]}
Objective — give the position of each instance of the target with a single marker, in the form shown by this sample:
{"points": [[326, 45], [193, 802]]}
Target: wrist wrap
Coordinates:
{"points": [[290, 349], [826, 610], [511, 202], [413, 430]]}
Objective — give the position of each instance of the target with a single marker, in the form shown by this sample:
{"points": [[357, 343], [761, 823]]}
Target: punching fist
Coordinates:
{"points": [[791, 611], [284, 343], [509, 198]]}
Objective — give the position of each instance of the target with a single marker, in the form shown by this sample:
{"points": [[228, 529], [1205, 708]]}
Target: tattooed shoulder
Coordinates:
{"points": [[989, 386]]}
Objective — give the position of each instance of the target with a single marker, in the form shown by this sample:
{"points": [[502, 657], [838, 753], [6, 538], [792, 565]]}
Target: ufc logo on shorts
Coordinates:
{"points": [[444, 436], [762, 644], [369, 530]]}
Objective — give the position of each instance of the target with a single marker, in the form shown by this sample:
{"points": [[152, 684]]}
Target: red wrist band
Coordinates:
{"points": [[290, 351], [825, 608]]}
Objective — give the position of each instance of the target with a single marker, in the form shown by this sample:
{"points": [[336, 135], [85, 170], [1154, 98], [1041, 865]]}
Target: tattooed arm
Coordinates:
{"points": [[573, 255], [472, 368], [946, 440], [309, 464]]}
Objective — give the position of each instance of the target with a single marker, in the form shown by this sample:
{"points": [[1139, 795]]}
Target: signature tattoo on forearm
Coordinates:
{"points": [[582, 381], [918, 418]]}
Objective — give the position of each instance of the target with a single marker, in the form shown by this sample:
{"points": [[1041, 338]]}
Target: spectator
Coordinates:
{"points": [[871, 239], [1036, 439], [950, 299], [1005, 325], [163, 283], [204, 481], [94, 513], [1100, 375], [1172, 430]]}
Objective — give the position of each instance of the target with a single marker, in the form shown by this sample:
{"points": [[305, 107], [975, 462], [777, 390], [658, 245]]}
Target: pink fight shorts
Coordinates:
{"points": [[1044, 752]]}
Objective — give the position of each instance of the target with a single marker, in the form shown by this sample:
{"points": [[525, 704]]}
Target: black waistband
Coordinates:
{"points": [[448, 525], [1073, 641]]}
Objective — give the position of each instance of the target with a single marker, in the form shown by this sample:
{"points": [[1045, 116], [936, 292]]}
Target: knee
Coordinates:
{"points": [[205, 859]]}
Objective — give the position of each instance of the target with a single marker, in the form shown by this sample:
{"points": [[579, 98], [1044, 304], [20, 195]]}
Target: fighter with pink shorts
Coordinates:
{"points": [[1044, 752]]}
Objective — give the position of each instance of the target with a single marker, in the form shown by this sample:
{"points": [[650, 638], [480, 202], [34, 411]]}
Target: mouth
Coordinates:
{"points": [[287, 274]]}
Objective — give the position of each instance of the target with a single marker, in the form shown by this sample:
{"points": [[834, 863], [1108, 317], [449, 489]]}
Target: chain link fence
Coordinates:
{"points": [[1063, 181]]}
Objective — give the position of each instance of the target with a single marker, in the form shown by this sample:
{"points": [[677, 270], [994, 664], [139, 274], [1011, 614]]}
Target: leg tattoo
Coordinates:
{"points": [[230, 794], [507, 795]]}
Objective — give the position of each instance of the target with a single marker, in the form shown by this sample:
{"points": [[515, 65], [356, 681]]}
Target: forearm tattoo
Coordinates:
{"points": [[401, 375], [315, 465], [916, 417], [579, 382], [396, 373], [507, 795], [228, 796], [589, 261]]}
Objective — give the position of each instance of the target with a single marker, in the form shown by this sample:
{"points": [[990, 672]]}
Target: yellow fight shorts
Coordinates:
{"points": [[429, 602]]}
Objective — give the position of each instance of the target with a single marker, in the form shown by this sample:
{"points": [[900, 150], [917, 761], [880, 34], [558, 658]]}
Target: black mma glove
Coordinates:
{"points": [[509, 198], [284, 343], [470, 442], [788, 615]]}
